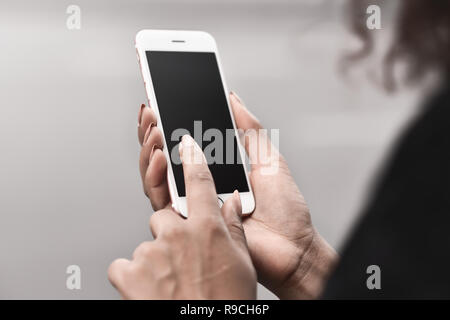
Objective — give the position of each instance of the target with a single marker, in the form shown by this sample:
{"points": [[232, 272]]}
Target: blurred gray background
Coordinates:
{"points": [[70, 191]]}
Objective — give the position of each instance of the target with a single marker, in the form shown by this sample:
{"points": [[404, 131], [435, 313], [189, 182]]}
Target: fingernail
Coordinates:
{"points": [[236, 195], [140, 114], [186, 141], [236, 96], [194, 154], [147, 133], [238, 199], [155, 146]]}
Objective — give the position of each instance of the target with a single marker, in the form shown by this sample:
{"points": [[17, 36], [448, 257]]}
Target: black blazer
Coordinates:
{"points": [[405, 229]]}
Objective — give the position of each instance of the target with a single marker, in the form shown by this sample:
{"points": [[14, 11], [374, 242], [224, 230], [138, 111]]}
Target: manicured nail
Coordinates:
{"points": [[140, 114], [190, 151], [147, 133], [154, 148], [238, 199], [236, 97], [186, 141]]}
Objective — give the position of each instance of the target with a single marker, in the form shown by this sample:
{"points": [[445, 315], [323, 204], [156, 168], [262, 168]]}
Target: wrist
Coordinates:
{"points": [[315, 265]]}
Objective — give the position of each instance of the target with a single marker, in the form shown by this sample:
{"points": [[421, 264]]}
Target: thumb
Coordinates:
{"points": [[258, 146], [232, 215], [245, 120]]}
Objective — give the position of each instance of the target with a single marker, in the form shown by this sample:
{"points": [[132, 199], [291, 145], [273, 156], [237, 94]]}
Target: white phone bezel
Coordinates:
{"points": [[184, 41]]}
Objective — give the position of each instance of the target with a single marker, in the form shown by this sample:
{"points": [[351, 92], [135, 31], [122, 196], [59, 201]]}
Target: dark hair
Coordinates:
{"points": [[421, 37]]}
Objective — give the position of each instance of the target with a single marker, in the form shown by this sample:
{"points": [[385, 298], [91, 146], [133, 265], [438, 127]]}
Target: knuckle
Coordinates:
{"points": [[210, 224], [115, 270], [202, 176], [131, 272], [161, 250], [153, 219], [147, 250], [144, 249], [157, 215], [174, 232]]}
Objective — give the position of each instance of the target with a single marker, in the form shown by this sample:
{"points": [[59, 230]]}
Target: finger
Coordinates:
{"points": [[146, 117], [257, 144], [200, 189], [150, 256], [155, 181], [164, 220], [232, 215], [245, 120], [116, 271], [143, 250], [153, 140]]}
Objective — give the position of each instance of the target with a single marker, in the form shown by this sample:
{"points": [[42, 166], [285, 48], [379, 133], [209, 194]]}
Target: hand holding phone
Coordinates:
{"points": [[290, 256], [186, 88], [203, 257]]}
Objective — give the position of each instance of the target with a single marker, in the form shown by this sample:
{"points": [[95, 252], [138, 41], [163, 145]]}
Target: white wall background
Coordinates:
{"points": [[70, 190]]}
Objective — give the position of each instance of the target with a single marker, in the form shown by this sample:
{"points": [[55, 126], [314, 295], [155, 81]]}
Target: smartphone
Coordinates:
{"points": [[185, 87]]}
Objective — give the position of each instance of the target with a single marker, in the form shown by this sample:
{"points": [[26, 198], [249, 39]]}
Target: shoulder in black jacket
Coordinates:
{"points": [[405, 229]]}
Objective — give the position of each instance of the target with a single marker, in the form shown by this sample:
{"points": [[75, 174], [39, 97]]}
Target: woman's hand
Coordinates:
{"points": [[202, 257], [290, 257]]}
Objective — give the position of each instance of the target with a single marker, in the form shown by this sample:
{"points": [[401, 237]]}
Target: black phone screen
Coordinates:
{"points": [[191, 96]]}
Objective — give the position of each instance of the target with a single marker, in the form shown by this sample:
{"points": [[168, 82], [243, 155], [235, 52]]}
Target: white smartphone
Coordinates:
{"points": [[186, 89]]}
